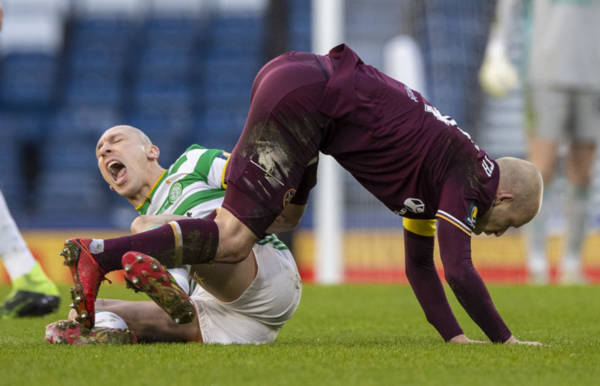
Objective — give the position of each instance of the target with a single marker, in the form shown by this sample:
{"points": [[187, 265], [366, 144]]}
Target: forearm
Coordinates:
{"points": [[466, 283], [426, 284]]}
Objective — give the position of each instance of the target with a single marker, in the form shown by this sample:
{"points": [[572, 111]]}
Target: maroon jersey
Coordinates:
{"points": [[402, 149], [411, 157]]}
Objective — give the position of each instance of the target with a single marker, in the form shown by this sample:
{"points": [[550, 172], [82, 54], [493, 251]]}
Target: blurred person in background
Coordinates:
{"points": [[32, 293], [563, 107], [247, 302]]}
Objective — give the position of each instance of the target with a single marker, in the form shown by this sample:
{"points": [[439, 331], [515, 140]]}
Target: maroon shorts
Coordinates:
{"points": [[275, 154]]}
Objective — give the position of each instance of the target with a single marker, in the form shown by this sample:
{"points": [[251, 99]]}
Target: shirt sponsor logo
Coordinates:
{"points": [[414, 205]]}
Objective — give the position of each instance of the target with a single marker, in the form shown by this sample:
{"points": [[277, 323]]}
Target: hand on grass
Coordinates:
{"points": [[462, 338], [513, 340]]}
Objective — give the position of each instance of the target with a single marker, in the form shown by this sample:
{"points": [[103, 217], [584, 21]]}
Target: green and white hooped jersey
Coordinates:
{"points": [[193, 186]]}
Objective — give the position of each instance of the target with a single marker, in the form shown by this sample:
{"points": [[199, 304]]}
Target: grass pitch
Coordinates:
{"points": [[340, 335]]}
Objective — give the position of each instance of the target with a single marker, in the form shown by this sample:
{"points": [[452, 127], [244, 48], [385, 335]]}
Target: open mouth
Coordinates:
{"points": [[116, 170]]}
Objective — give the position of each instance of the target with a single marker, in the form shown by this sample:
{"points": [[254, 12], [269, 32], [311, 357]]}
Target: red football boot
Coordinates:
{"points": [[146, 274], [71, 332], [87, 276]]}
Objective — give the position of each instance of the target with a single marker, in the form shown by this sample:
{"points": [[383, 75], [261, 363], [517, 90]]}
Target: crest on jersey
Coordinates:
{"points": [[175, 192], [414, 205], [471, 218]]}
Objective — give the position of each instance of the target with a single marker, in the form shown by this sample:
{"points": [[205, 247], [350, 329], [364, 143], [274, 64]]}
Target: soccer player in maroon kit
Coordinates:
{"points": [[403, 150]]}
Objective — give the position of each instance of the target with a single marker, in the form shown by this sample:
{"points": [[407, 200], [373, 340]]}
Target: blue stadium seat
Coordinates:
{"points": [[170, 131], [158, 65], [86, 122], [28, 79], [65, 192], [93, 93], [219, 128], [238, 35], [163, 98], [175, 33]]}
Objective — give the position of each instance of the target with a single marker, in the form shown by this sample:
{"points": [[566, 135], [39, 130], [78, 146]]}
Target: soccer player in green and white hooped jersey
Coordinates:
{"points": [[247, 302]]}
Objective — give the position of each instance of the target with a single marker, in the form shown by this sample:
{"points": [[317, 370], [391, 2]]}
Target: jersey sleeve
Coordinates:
{"points": [[209, 165], [458, 205], [216, 174]]}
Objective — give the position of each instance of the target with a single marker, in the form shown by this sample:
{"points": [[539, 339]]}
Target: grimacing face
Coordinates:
{"points": [[122, 159]]}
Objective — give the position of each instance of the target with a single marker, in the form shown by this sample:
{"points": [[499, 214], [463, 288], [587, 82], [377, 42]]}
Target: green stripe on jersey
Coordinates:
{"points": [[274, 241], [205, 162], [175, 167], [198, 198]]}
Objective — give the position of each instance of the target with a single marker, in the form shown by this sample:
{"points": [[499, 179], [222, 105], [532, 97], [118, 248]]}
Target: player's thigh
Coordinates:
{"points": [[580, 162], [543, 153], [586, 114], [549, 112], [582, 151], [269, 161]]}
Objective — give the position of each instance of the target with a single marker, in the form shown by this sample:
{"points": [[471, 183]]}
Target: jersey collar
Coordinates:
{"points": [[143, 207]]}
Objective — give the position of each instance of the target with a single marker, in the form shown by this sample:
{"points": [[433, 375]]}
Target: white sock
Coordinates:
{"points": [[577, 215], [537, 238], [182, 278], [109, 320], [97, 246], [17, 258]]}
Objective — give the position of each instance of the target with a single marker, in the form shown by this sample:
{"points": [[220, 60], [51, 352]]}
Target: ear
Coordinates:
{"points": [[502, 197], [153, 152]]}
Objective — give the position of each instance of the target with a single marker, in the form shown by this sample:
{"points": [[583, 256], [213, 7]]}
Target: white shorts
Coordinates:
{"points": [[564, 114], [259, 313]]}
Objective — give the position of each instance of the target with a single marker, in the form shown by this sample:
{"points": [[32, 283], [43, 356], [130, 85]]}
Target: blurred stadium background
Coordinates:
{"points": [[181, 70]]}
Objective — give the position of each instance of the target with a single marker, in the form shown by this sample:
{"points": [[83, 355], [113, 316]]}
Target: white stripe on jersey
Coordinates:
{"points": [[457, 221]]}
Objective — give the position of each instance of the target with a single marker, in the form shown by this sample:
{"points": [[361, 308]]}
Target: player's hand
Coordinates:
{"points": [[462, 338], [497, 75], [513, 340]]}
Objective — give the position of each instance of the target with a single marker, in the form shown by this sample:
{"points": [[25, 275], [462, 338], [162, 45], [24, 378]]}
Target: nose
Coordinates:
{"points": [[105, 149]]}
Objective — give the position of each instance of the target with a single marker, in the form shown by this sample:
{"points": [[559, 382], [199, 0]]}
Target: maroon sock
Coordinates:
{"points": [[189, 241]]}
